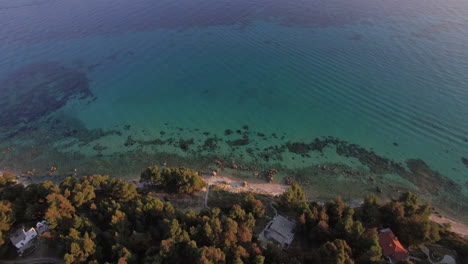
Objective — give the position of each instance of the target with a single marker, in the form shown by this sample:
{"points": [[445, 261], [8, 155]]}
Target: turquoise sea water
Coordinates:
{"points": [[110, 86]]}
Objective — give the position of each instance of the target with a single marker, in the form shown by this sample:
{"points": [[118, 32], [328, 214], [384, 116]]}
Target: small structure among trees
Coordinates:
{"points": [[22, 238], [280, 230], [391, 247]]}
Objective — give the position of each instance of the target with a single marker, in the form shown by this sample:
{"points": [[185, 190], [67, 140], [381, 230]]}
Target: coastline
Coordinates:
{"points": [[235, 184], [456, 227]]}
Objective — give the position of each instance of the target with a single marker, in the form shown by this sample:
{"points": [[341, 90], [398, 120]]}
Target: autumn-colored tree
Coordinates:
{"points": [[237, 213], [7, 179], [259, 259], [321, 232], [336, 252], [244, 233], [120, 190], [212, 255], [253, 206], [79, 247], [34, 199], [60, 209], [6, 219], [79, 191]]}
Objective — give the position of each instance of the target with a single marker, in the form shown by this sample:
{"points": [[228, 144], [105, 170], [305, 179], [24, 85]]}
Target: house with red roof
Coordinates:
{"points": [[391, 247]]}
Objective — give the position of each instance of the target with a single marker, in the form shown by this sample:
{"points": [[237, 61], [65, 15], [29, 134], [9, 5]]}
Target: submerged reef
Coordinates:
{"points": [[37, 90], [416, 171], [265, 156]]}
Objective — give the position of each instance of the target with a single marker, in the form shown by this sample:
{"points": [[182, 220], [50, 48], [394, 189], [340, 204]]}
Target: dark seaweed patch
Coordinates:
{"points": [[37, 90], [210, 144], [238, 142], [130, 141], [302, 148], [185, 144], [298, 147], [227, 132], [99, 147], [152, 142]]}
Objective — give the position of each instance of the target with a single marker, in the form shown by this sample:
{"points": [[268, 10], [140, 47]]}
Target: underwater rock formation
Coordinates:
{"points": [[37, 90], [429, 180]]}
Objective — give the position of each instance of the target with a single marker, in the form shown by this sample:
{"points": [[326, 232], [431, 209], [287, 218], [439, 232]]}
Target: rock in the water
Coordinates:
{"points": [[465, 161]]}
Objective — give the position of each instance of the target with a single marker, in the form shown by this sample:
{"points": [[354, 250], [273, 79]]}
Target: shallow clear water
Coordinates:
{"points": [[391, 77]]}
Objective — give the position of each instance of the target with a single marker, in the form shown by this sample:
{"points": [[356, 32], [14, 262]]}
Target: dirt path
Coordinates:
{"points": [[274, 209]]}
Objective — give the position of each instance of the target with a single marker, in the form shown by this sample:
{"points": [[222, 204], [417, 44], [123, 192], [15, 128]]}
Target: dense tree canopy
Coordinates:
{"points": [[178, 180], [99, 219], [293, 196]]}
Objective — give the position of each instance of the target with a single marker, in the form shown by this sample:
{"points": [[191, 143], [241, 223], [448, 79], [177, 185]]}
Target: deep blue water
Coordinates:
{"points": [[96, 84]]}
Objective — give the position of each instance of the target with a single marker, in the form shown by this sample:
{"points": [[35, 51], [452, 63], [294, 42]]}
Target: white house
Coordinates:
{"points": [[42, 227], [21, 238]]}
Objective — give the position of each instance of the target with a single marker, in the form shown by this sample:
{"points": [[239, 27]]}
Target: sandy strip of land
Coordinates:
{"points": [[232, 184], [457, 227], [238, 185]]}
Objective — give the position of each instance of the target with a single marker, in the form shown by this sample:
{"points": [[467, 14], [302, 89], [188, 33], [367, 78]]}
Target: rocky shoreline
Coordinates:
{"points": [[65, 143]]}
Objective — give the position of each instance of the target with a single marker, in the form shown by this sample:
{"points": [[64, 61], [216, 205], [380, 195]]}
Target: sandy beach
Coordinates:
{"points": [[237, 185], [457, 227]]}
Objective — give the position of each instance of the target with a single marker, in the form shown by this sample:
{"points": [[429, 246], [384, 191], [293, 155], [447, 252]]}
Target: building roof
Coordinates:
{"points": [[391, 246], [281, 230], [42, 227], [20, 237], [283, 226], [17, 236]]}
